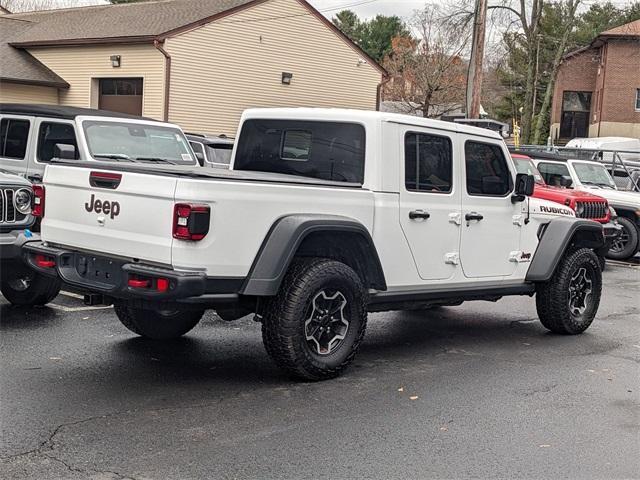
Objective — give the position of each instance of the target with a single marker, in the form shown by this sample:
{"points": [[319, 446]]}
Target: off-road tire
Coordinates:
{"points": [[41, 289], [552, 297], [631, 247], [157, 324], [284, 316]]}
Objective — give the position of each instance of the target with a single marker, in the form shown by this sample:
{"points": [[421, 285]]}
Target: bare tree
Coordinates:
{"points": [[428, 73]]}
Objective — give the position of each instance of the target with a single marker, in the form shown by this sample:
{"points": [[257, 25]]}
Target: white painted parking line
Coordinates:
{"points": [[619, 263], [77, 309], [71, 294]]}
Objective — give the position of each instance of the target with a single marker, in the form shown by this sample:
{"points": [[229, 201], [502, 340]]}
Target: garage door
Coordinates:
{"points": [[122, 95]]}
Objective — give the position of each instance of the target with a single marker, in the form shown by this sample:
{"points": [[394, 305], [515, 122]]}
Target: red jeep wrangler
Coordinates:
{"points": [[583, 203]]}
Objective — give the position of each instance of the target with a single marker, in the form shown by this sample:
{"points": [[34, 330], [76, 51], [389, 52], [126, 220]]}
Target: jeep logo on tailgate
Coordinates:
{"points": [[102, 206]]}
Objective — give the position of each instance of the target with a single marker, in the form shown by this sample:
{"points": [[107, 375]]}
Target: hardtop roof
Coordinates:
{"points": [[60, 111], [364, 116]]}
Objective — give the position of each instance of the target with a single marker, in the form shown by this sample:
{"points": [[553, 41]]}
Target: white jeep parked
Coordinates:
{"points": [[32, 135], [324, 216]]}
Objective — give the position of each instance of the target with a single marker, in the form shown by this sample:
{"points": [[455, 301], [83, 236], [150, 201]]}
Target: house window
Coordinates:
{"points": [[638, 99]]}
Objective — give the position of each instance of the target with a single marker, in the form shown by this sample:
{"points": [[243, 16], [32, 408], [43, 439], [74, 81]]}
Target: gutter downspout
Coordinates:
{"points": [[385, 80], [167, 76], [605, 51]]}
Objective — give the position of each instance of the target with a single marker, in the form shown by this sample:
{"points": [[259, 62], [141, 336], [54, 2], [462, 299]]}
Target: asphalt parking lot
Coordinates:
{"points": [[481, 390]]}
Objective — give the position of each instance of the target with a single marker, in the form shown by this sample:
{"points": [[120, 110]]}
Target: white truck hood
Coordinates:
{"points": [[631, 199]]}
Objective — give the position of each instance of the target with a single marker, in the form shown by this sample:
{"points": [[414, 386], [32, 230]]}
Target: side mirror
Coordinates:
{"points": [[566, 182], [200, 158], [524, 184], [64, 151]]}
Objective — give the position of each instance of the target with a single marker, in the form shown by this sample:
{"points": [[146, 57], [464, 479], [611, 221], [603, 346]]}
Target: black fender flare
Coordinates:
{"points": [[557, 235], [285, 237]]}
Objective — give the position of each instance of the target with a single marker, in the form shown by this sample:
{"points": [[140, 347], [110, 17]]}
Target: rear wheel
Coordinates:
{"points": [[569, 301], [313, 327], [26, 287], [157, 324], [626, 245]]}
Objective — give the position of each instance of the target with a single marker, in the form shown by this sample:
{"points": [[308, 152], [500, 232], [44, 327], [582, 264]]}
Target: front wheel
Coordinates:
{"points": [[26, 288], [313, 327], [157, 324], [626, 244], [568, 302]]}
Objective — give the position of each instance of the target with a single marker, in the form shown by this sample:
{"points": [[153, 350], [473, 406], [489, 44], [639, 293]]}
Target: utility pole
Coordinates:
{"points": [[474, 80]]}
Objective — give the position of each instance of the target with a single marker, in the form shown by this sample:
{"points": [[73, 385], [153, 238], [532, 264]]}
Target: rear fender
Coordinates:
{"points": [[342, 238]]}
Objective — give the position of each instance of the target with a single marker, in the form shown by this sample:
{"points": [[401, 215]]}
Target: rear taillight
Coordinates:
{"points": [[37, 210], [191, 222], [156, 284]]}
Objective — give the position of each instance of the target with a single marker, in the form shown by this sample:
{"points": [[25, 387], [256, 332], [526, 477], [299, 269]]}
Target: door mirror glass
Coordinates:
{"points": [[525, 184], [64, 151], [200, 158], [566, 182]]}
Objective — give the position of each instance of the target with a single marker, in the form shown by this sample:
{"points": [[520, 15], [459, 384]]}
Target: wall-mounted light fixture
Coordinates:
{"points": [[361, 61], [286, 78], [115, 61]]}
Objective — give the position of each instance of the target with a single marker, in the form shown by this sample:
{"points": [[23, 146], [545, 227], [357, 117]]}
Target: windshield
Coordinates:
{"points": [[219, 154], [525, 165], [590, 174], [137, 142]]}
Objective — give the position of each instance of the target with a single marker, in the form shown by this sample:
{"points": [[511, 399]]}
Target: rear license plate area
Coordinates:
{"points": [[98, 270]]}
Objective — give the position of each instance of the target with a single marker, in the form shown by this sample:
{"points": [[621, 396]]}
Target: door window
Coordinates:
{"points": [[428, 163], [14, 134], [52, 133], [487, 170], [554, 174]]}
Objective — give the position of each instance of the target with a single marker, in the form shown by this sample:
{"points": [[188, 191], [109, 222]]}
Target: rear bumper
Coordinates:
{"points": [[110, 276]]}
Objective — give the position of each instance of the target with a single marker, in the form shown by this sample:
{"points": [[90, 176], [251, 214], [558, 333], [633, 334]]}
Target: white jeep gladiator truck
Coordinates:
{"points": [[324, 215]]}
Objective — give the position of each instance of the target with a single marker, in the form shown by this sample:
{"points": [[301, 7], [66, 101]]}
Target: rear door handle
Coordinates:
{"points": [[473, 216], [414, 214]]}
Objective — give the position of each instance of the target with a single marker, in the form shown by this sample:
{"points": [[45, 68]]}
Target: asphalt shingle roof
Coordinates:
{"points": [[18, 65], [144, 19], [631, 29]]}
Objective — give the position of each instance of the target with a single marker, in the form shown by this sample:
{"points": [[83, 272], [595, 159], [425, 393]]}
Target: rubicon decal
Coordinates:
{"points": [[102, 206], [561, 211]]}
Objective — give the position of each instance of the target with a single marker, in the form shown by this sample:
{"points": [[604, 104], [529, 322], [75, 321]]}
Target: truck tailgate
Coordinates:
{"points": [[134, 220]]}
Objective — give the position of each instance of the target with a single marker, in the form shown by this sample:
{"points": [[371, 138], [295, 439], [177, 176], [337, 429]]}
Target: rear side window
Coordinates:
{"points": [[14, 134], [554, 174], [487, 170], [50, 134], [324, 150], [427, 163]]}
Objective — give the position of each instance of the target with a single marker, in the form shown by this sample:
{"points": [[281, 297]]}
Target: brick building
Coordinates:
{"points": [[597, 91]]}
